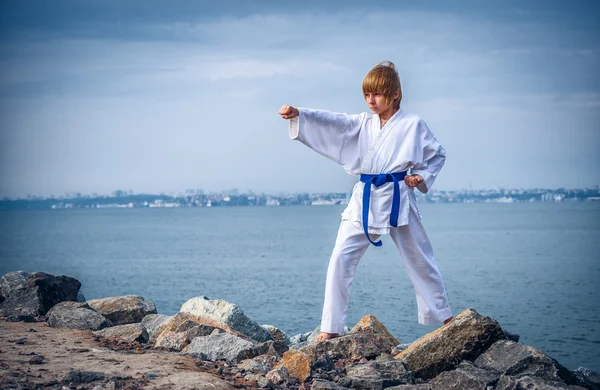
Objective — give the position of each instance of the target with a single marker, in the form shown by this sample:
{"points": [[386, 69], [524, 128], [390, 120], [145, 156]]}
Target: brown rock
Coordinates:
{"points": [[129, 332], [464, 338], [370, 324], [123, 310], [297, 363], [172, 341], [350, 346]]}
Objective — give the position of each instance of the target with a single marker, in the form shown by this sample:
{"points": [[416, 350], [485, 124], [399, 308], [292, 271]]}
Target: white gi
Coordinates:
{"points": [[361, 147]]}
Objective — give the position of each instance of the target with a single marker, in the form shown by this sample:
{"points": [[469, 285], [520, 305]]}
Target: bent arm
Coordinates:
{"points": [[434, 157]]}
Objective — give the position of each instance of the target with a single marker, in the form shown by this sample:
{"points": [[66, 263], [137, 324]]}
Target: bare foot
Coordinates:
{"points": [[326, 336], [448, 320]]}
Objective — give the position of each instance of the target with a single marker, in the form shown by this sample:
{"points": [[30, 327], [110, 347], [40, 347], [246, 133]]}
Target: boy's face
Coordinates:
{"points": [[377, 102]]}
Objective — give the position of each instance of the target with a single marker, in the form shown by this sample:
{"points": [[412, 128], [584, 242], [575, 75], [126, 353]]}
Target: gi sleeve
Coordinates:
{"points": [[433, 159], [333, 135]]}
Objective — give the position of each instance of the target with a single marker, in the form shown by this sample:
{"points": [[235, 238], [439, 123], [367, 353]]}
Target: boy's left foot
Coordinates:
{"points": [[326, 336]]}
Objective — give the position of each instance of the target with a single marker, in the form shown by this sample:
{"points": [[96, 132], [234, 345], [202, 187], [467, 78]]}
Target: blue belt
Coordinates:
{"points": [[377, 181]]}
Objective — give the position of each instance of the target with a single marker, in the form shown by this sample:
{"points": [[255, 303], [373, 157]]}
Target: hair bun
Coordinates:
{"points": [[388, 64]]}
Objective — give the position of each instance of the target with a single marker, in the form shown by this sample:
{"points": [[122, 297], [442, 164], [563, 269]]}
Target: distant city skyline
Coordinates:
{"points": [[160, 97]]}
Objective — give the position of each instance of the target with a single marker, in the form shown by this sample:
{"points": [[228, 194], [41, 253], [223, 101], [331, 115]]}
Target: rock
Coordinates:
{"points": [[199, 331], [326, 385], [517, 360], [228, 313], [80, 297], [421, 386], [586, 378], [278, 376], [297, 363], [37, 359], [172, 341], [298, 339], [277, 334], [154, 324], [223, 346], [80, 376], [465, 376], [370, 324], [253, 366], [511, 336], [350, 346], [272, 348], [76, 315], [376, 375], [464, 338], [129, 332], [28, 295], [123, 310], [531, 383]]}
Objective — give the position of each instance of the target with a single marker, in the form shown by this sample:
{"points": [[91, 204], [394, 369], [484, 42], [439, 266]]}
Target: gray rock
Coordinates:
{"points": [[29, 295], [76, 315], [253, 366], [517, 360], [376, 375], [228, 313], [464, 338], [277, 334], [80, 297], [279, 376], [272, 348], [511, 336], [587, 378], [465, 376], [129, 332], [154, 324], [532, 383], [326, 385], [129, 309], [199, 331], [223, 346], [80, 376], [421, 386]]}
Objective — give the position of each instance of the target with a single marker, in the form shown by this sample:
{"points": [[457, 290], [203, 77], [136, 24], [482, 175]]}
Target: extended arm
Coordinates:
{"points": [[333, 135]]}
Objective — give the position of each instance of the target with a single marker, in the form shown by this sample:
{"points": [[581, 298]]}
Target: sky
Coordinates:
{"points": [[155, 96]]}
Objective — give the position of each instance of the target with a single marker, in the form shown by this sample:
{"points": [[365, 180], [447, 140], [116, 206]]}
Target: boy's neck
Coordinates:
{"points": [[385, 116]]}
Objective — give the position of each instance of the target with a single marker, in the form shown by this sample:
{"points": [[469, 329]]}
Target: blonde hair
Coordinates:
{"points": [[384, 79]]}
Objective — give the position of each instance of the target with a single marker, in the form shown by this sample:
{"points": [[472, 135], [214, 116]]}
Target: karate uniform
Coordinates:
{"points": [[359, 144]]}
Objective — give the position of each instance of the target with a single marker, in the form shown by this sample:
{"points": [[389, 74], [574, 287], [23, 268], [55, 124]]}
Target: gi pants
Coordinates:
{"points": [[416, 252]]}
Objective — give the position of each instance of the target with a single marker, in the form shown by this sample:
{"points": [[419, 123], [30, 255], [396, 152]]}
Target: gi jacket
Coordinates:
{"points": [[359, 144]]}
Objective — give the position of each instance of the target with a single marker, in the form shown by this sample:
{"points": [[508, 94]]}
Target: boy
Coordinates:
{"points": [[381, 148]]}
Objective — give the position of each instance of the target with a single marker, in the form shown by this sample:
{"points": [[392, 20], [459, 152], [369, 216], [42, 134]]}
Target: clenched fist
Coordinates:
{"points": [[413, 180], [288, 112]]}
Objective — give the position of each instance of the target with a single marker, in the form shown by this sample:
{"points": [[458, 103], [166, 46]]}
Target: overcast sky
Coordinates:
{"points": [[158, 96]]}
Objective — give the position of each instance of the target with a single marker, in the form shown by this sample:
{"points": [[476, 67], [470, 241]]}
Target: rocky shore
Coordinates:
{"points": [[52, 338]]}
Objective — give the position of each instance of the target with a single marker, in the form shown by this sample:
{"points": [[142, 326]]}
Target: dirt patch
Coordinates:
{"points": [[34, 355]]}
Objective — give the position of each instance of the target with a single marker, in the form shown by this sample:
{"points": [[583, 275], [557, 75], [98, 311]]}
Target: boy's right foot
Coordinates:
{"points": [[326, 336]]}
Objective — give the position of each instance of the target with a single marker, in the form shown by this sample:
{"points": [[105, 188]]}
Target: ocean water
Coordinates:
{"points": [[533, 267]]}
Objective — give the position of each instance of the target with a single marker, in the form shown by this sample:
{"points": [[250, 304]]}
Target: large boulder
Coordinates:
{"points": [[228, 313], [517, 360], [154, 324], [587, 378], [29, 295], [129, 309], [222, 346], [129, 332], [465, 376], [464, 338], [76, 315], [350, 346], [376, 375]]}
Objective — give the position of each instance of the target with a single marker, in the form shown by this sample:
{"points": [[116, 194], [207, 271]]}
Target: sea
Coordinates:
{"points": [[534, 267]]}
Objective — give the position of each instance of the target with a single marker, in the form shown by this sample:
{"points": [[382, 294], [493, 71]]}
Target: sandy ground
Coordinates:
{"points": [[34, 355]]}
